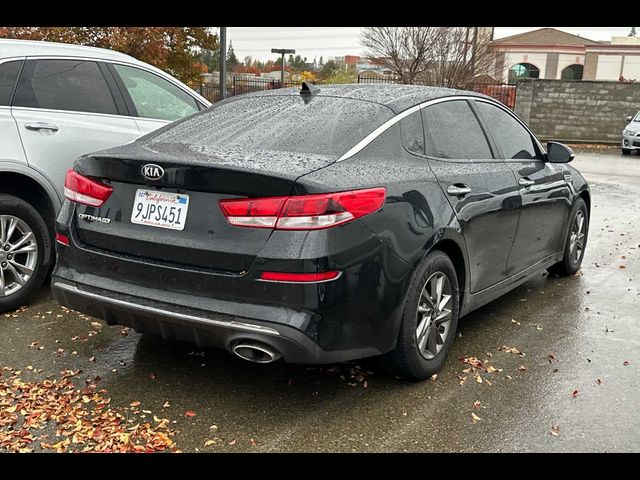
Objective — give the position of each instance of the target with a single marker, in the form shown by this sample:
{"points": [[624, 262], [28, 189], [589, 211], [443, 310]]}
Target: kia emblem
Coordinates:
{"points": [[151, 171]]}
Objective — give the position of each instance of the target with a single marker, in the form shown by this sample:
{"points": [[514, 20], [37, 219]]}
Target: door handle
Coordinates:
{"points": [[458, 189], [526, 182], [41, 126]]}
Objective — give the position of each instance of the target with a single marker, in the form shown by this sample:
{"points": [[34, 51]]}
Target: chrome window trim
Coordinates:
{"points": [[392, 121], [249, 327]]}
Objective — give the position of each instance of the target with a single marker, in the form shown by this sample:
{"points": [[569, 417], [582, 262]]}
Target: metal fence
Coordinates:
{"points": [[238, 85], [503, 92]]}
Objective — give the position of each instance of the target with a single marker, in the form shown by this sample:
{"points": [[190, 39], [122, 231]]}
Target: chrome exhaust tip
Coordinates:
{"points": [[255, 352]]}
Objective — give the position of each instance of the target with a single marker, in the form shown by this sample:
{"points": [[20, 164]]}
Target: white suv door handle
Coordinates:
{"points": [[41, 126]]}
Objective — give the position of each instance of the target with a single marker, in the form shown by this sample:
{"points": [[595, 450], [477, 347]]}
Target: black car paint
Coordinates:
{"points": [[354, 316]]}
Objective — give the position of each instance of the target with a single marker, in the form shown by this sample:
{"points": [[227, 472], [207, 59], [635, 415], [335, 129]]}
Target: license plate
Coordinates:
{"points": [[160, 209]]}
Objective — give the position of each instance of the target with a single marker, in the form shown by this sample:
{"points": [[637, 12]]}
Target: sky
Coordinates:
{"points": [[311, 42]]}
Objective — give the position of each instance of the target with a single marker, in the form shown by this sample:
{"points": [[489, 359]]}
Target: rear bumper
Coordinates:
{"points": [[204, 328]]}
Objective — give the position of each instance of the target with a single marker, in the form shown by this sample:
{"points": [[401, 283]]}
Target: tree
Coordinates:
{"points": [[232, 60], [632, 33], [297, 63], [406, 51], [443, 56], [330, 68], [211, 58], [174, 49], [460, 55]]}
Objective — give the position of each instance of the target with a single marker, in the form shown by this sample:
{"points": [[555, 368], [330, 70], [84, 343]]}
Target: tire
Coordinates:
{"points": [[25, 218], [570, 263], [626, 151], [408, 360]]}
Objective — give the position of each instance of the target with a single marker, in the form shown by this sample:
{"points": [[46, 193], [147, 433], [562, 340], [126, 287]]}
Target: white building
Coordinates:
{"points": [[553, 54]]}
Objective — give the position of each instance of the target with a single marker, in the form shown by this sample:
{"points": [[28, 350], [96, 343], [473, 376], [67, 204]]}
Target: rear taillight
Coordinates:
{"points": [[85, 190], [62, 239], [287, 277], [304, 212]]}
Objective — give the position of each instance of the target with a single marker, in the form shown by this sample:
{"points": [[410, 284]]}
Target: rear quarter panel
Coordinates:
{"points": [[416, 214]]}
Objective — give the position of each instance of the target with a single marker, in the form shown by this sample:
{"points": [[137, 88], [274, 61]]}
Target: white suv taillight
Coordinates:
{"points": [[85, 190], [303, 212]]}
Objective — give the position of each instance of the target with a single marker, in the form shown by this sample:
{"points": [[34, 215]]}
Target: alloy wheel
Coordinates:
{"points": [[18, 254], [576, 240], [434, 315]]}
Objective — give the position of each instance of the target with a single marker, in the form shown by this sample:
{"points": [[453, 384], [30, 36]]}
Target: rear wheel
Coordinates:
{"points": [[429, 320], [23, 241], [626, 151], [575, 242]]}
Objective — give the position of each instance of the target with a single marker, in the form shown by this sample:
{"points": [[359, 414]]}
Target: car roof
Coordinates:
{"points": [[30, 48], [397, 97]]}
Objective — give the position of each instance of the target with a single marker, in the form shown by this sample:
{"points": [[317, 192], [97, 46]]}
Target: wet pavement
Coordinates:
{"points": [[552, 366]]}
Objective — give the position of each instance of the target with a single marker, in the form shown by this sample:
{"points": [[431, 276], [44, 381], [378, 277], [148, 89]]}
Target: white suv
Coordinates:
{"points": [[58, 102]]}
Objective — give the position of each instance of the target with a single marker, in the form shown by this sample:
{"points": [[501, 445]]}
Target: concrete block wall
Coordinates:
{"points": [[577, 110]]}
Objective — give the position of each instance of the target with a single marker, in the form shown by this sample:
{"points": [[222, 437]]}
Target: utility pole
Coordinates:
{"points": [[223, 63], [282, 52]]}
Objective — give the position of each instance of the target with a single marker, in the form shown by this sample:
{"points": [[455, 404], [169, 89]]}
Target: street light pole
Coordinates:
{"points": [[282, 51], [223, 63]]}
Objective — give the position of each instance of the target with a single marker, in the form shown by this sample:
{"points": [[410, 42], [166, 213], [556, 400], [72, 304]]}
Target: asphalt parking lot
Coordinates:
{"points": [[552, 366]]}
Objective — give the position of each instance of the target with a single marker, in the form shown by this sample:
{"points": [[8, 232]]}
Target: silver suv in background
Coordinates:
{"points": [[58, 102], [631, 135]]}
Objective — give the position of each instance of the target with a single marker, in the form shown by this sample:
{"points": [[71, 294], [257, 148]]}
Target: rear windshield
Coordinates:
{"points": [[320, 125]]}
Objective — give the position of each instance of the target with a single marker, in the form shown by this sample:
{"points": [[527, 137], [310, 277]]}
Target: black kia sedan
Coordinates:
{"points": [[320, 225]]}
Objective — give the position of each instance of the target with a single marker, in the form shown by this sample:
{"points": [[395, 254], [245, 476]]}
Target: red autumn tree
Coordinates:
{"points": [[174, 49]]}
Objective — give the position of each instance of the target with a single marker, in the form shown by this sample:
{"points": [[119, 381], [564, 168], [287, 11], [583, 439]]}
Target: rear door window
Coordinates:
{"points": [[9, 72], [74, 85], [452, 131]]}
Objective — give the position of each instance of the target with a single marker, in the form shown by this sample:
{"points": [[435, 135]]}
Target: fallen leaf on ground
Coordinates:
{"points": [[232, 442], [555, 430], [209, 442], [152, 376], [513, 350], [476, 404], [575, 393], [522, 368], [189, 413], [434, 377], [134, 404], [475, 418], [626, 363], [80, 418]]}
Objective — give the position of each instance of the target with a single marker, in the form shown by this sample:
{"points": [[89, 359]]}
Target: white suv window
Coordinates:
{"points": [[75, 85], [155, 97]]}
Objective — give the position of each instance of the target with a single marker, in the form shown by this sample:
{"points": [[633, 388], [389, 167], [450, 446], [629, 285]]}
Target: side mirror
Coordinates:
{"points": [[559, 153], [629, 118]]}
